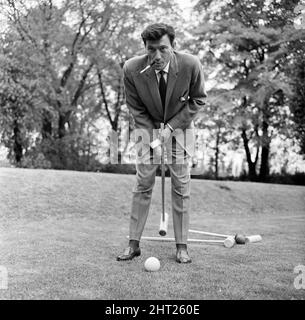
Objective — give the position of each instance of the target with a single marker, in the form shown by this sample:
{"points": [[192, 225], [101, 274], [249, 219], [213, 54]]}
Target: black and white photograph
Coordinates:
{"points": [[152, 153]]}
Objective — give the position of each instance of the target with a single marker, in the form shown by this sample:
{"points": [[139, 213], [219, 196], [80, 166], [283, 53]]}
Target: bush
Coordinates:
{"points": [[116, 168], [34, 161], [296, 179]]}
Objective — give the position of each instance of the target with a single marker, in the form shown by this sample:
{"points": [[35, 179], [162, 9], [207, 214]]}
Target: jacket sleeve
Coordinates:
{"points": [[197, 95], [135, 105]]}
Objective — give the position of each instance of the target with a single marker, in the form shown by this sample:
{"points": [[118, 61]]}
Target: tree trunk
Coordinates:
{"points": [[264, 169], [217, 152], [251, 164], [46, 130], [17, 143], [61, 126]]}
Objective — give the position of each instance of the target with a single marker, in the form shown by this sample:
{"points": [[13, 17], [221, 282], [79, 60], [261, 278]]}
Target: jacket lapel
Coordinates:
{"points": [[171, 81], [152, 83]]}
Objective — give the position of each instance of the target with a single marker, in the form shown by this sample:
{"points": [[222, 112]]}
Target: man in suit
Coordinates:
{"points": [[170, 91]]}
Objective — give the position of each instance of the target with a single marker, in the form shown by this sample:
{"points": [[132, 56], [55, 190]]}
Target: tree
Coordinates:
{"points": [[217, 118], [18, 114], [296, 73], [74, 52], [248, 42]]}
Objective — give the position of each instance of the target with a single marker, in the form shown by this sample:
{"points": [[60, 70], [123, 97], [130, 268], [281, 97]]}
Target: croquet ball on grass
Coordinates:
{"points": [[152, 264], [240, 239], [229, 242]]}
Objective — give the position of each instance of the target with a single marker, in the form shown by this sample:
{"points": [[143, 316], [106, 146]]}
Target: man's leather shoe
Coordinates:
{"points": [[128, 254], [183, 257]]}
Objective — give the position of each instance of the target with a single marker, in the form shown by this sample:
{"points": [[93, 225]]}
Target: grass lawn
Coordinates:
{"points": [[60, 233]]}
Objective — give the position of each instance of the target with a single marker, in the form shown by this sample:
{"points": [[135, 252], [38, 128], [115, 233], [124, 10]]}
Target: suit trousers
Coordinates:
{"points": [[178, 163]]}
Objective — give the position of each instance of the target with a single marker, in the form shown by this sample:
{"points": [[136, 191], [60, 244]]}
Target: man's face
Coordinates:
{"points": [[159, 51]]}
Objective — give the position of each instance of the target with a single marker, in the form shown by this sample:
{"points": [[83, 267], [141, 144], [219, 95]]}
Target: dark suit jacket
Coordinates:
{"points": [[184, 96]]}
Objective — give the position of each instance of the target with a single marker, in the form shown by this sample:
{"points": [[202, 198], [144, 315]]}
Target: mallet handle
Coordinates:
{"points": [[164, 216], [173, 240], [162, 174], [210, 233]]}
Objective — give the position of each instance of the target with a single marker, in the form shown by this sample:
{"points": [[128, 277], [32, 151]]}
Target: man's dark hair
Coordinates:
{"points": [[158, 30]]}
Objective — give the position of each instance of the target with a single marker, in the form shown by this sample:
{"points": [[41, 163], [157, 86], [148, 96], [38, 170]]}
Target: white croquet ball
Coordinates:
{"points": [[229, 242], [152, 264]]}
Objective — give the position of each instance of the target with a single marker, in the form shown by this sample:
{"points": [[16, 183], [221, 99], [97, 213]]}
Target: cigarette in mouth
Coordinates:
{"points": [[147, 67]]}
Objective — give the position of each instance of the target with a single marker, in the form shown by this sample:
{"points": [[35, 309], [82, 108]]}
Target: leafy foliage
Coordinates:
{"points": [[248, 43], [297, 105], [66, 58]]}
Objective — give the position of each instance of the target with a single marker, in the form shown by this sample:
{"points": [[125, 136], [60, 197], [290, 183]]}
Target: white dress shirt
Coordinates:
{"points": [[164, 75]]}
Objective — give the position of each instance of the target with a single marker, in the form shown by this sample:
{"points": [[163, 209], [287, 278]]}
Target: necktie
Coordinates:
{"points": [[162, 88]]}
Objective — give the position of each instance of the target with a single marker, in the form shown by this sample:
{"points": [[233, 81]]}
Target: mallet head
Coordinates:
{"points": [[229, 242], [163, 225], [254, 238]]}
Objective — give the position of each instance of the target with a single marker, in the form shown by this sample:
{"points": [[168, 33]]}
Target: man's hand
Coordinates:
{"points": [[165, 134], [156, 146], [157, 153]]}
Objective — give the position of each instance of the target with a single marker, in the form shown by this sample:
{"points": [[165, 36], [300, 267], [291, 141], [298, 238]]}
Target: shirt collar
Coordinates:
{"points": [[165, 69]]}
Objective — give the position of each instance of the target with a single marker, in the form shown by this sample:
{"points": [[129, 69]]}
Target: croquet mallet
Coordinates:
{"points": [[164, 215], [239, 238]]}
